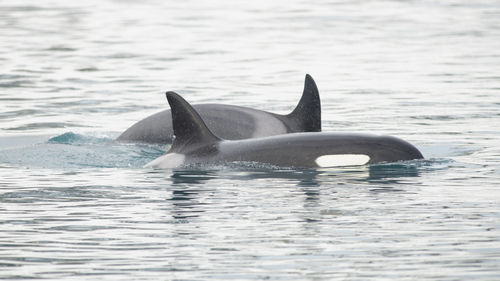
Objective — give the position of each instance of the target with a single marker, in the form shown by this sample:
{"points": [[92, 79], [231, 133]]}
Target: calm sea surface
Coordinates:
{"points": [[76, 205]]}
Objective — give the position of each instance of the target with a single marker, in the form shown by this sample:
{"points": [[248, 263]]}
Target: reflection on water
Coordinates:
{"points": [[186, 204], [180, 177], [381, 173], [76, 205], [186, 196]]}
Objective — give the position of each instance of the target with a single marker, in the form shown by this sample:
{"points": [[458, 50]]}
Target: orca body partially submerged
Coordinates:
{"points": [[235, 122], [195, 143]]}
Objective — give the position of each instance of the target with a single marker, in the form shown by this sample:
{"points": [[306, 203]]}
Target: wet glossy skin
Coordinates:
{"points": [[196, 144], [235, 122]]}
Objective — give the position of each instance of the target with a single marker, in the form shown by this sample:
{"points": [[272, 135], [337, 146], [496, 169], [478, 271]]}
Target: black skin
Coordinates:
{"points": [[235, 122], [198, 145]]}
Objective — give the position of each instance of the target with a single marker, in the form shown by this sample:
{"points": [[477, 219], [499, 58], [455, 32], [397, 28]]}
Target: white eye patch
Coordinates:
{"points": [[339, 160]]}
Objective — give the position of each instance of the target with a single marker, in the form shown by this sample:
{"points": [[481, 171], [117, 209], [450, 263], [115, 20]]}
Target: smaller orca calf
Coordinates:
{"points": [[194, 143], [235, 122]]}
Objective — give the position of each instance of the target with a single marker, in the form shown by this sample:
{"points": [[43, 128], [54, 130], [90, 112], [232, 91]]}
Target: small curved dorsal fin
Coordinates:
{"points": [[189, 128], [308, 111]]}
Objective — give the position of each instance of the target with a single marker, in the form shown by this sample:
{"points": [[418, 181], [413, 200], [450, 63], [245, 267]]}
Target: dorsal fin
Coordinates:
{"points": [[308, 111], [189, 129]]}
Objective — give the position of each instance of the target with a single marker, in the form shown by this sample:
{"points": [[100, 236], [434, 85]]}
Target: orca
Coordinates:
{"points": [[195, 143], [235, 122]]}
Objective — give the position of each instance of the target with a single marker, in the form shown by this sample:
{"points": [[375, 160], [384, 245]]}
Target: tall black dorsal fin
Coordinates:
{"points": [[308, 111], [189, 128]]}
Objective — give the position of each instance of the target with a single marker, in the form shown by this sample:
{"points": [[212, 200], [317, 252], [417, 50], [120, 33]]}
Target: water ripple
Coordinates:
{"points": [[75, 204]]}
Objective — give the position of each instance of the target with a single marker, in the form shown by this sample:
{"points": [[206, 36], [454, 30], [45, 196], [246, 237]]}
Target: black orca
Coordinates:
{"points": [[195, 143], [235, 122]]}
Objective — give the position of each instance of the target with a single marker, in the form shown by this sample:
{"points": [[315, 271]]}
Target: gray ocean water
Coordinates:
{"points": [[74, 205]]}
